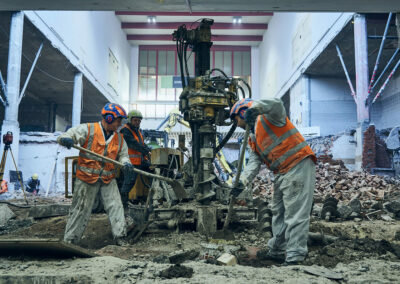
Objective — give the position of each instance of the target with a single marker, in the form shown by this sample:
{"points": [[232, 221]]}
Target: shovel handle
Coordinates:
{"points": [[241, 158], [121, 164]]}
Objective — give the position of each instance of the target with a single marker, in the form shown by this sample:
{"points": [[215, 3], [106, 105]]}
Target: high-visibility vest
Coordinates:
{"points": [[281, 148], [91, 168], [136, 157]]}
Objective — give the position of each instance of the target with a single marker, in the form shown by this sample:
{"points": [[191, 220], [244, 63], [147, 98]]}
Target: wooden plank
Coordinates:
{"points": [[42, 248]]}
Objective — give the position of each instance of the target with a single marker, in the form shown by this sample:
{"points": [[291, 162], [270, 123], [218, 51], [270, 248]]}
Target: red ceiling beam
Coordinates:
{"points": [[214, 47], [214, 37], [215, 26], [200, 14]]}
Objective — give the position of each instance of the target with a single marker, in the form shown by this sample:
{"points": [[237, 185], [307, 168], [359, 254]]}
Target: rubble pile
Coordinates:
{"points": [[322, 145], [358, 193], [345, 185]]}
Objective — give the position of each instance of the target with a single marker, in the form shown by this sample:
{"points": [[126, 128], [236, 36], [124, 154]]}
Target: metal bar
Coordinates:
{"points": [[353, 93], [379, 53], [30, 72], [387, 80], [189, 6], [237, 177], [19, 177], [386, 67], [380, 37], [121, 165], [4, 87]]}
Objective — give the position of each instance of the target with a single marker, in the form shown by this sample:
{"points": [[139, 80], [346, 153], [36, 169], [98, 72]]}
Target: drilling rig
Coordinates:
{"points": [[205, 103]]}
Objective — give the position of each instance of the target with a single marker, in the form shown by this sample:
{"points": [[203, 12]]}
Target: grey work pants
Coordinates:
{"points": [[291, 206], [81, 208]]}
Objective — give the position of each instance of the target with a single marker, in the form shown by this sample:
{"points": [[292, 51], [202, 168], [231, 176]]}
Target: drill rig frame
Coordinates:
{"points": [[205, 103]]}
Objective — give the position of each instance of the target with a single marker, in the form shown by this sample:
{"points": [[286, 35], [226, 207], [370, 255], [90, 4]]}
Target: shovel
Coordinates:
{"points": [[177, 187], [236, 182]]}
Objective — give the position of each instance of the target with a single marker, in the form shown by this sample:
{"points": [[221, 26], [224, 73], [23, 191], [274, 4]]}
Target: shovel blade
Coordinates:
{"points": [[178, 189]]}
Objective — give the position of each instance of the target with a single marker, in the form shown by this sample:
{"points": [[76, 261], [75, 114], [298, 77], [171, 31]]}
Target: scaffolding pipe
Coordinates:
{"points": [[30, 72], [379, 53], [387, 80], [386, 67], [4, 88], [353, 93]]}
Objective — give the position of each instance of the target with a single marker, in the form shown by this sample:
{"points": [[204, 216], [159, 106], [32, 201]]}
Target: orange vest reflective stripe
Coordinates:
{"points": [[136, 157], [91, 168], [281, 148]]}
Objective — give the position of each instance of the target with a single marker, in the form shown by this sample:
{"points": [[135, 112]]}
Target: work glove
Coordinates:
{"points": [[128, 170], [148, 149], [235, 191], [250, 116], [66, 142]]}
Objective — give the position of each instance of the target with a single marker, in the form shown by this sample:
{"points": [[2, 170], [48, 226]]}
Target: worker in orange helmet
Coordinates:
{"points": [[95, 176], [275, 141]]}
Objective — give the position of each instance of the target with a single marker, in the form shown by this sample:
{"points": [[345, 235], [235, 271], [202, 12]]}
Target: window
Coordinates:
{"points": [[159, 68]]}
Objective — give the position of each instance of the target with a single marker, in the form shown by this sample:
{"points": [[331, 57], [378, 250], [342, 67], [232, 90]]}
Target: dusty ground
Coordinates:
{"points": [[357, 258]]}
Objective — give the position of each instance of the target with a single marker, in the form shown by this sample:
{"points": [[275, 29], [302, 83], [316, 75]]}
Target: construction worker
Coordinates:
{"points": [[275, 141], [96, 176], [33, 184], [139, 152]]}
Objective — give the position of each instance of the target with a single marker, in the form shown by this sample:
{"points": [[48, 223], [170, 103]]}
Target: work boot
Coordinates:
{"points": [[121, 241], [267, 255]]}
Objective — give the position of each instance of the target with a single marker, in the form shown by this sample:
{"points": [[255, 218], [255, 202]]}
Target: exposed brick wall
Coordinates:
{"points": [[369, 149], [382, 158]]}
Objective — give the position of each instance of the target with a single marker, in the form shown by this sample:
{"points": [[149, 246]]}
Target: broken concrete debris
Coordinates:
{"points": [[227, 259], [5, 214], [177, 271], [358, 194]]}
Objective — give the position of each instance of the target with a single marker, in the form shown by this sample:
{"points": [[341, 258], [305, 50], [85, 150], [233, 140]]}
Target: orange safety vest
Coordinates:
{"points": [[136, 157], [281, 148], [91, 168]]}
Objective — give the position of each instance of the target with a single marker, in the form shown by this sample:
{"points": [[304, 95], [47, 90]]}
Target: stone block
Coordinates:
{"points": [[5, 214], [227, 259]]}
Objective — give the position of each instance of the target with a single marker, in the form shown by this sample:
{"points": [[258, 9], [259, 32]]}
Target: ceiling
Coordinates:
{"points": [[225, 32], [328, 64], [52, 78], [205, 5]]}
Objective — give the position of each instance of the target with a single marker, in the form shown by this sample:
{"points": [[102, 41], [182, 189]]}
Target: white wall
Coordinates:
{"points": [[291, 43], [255, 72], [332, 107], [385, 112], [85, 38], [38, 153]]}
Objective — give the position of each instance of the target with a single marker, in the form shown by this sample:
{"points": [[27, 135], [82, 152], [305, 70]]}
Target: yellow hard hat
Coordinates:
{"points": [[134, 113], [35, 176]]}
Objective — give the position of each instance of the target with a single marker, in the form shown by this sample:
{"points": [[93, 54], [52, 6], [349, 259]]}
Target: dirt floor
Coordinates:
{"points": [[365, 252]]}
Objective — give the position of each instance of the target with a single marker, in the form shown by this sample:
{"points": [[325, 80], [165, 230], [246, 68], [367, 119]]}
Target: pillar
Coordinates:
{"points": [[77, 100], [361, 63], [10, 122], [362, 82]]}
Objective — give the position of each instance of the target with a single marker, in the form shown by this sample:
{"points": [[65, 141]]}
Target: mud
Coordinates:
{"points": [[366, 252], [177, 271]]}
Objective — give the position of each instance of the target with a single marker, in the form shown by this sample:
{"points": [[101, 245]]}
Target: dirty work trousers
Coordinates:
{"points": [[291, 206], [81, 208]]}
